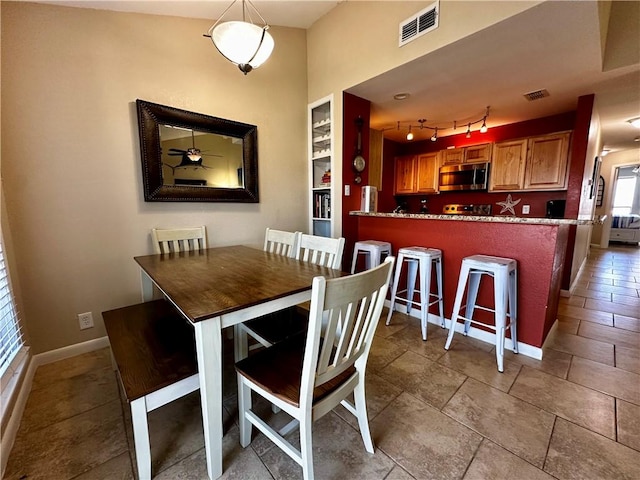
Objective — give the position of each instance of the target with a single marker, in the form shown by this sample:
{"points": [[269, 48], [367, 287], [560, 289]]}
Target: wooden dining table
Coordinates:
{"points": [[217, 288]]}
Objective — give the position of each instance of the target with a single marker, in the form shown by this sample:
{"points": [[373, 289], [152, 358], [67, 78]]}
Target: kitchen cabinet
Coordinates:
{"points": [[321, 158], [471, 154], [428, 167], [405, 175], [452, 156], [507, 166], [530, 164], [416, 174], [547, 160]]}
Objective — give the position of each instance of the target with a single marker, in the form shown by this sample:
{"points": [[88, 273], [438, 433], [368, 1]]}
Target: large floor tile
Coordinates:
{"points": [[568, 324], [383, 352], [580, 346], [71, 367], [553, 362], [338, 454], [614, 335], [577, 453], [628, 424], [610, 380], [604, 307], [69, 447], [631, 292], [410, 338], [494, 462], [585, 314], [426, 443], [581, 405], [480, 365], [626, 323], [427, 380], [117, 468], [379, 393], [628, 359], [586, 293], [627, 300], [518, 426], [67, 397]]}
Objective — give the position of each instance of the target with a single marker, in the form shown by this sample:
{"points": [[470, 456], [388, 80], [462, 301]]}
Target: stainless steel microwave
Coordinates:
{"points": [[466, 176]]}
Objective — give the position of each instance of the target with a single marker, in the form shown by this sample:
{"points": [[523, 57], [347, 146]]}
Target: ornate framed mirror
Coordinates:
{"points": [[192, 157]]}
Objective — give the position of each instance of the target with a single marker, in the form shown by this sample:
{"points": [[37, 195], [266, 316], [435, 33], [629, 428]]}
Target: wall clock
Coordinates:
{"points": [[359, 162]]}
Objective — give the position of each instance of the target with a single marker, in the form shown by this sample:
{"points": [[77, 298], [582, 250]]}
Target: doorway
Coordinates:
{"points": [[625, 206]]}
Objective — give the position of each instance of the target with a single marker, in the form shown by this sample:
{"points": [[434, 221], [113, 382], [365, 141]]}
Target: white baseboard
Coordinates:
{"points": [[22, 395], [71, 351], [477, 333]]}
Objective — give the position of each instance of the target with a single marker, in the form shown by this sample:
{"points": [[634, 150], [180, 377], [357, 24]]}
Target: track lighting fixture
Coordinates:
{"points": [[435, 128]]}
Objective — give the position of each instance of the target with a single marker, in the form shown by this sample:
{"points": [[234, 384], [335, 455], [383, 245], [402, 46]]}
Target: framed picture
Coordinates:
{"points": [[594, 176]]}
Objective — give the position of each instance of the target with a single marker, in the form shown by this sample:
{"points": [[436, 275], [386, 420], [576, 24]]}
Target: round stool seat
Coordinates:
{"points": [[373, 250], [420, 251]]}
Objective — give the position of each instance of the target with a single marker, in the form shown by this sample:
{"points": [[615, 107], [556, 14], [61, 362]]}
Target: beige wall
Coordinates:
{"points": [[70, 150], [344, 50]]}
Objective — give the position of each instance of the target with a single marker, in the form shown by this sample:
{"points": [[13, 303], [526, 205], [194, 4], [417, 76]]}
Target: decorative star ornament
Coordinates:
{"points": [[508, 204]]}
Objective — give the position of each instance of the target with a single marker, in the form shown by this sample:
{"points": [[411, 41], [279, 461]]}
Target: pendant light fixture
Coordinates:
{"points": [[242, 42], [410, 134]]}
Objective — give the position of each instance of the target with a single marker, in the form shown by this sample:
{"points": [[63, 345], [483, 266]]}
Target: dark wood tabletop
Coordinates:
{"points": [[222, 280]]}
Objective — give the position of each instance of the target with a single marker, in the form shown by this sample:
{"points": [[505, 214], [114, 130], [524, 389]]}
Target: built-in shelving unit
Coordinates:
{"points": [[321, 159]]}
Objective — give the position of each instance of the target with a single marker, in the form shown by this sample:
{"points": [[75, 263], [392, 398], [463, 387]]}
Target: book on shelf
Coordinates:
{"points": [[322, 205]]}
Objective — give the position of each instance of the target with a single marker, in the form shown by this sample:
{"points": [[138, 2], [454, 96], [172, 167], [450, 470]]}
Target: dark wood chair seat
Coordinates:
{"points": [[278, 370], [278, 326], [153, 349]]}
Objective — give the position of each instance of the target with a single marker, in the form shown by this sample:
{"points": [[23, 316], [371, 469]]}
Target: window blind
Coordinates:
{"points": [[11, 338]]}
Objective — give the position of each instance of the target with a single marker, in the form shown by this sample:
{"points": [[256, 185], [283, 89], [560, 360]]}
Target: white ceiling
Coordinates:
{"points": [[554, 46]]}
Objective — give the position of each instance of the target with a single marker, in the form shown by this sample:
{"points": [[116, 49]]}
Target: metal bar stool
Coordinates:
{"points": [[504, 272], [422, 258], [373, 250]]}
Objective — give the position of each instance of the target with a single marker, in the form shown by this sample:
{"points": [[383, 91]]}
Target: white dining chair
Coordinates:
{"points": [[278, 326], [271, 328], [167, 240], [308, 375], [281, 242], [323, 251]]}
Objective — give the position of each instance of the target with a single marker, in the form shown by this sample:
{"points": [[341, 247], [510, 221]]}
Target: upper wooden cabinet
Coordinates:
{"points": [[452, 156], [405, 175], [507, 166], [471, 154], [428, 168], [416, 174], [536, 163], [547, 161]]}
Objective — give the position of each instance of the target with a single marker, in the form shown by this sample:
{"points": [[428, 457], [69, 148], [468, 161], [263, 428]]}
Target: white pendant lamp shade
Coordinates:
{"points": [[245, 44]]}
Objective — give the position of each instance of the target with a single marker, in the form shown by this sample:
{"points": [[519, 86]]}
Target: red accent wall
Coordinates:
{"points": [[539, 250], [352, 108]]}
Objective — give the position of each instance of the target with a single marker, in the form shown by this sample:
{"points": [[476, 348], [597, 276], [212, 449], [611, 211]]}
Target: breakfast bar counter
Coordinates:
{"points": [[538, 244]]}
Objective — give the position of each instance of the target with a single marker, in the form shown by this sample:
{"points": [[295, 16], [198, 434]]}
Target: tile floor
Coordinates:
{"points": [[434, 414]]}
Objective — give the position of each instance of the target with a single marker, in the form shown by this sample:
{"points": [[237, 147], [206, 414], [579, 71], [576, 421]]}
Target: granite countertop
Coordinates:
{"points": [[479, 218]]}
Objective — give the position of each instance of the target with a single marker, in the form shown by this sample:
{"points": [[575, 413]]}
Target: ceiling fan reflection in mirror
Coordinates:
{"points": [[192, 157]]}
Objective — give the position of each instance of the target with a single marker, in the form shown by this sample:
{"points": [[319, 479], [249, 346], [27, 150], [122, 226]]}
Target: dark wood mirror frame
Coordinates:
{"points": [[151, 115]]}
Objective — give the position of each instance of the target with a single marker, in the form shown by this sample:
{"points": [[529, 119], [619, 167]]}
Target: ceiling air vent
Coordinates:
{"points": [[417, 25], [537, 95]]}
